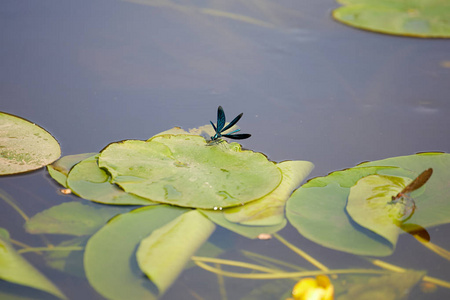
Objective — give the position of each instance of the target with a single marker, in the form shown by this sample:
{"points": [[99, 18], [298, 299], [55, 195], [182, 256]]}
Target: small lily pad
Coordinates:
{"points": [[182, 170], [368, 204], [90, 182], [24, 146], [60, 168], [420, 18]]}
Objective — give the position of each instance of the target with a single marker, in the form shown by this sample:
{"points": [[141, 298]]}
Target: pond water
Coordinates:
{"points": [[310, 88]]}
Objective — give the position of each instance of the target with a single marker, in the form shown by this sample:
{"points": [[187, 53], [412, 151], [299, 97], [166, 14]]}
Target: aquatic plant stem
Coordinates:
{"points": [[8, 199], [50, 249], [433, 247], [262, 259], [221, 283], [300, 252], [270, 273], [394, 268]]}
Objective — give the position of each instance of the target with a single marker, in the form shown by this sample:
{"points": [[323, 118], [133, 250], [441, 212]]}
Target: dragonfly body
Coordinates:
{"points": [[220, 127], [408, 205]]}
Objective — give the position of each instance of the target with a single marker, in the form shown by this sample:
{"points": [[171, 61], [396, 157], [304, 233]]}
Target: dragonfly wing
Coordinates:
{"points": [[214, 126], [233, 122], [418, 182], [220, 119], [240, 136]]}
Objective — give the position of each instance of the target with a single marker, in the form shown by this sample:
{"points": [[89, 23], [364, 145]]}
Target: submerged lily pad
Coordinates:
{"points": [[318, 208], [24, 146], [419, 18], [387, 287], [110, 260], [71, 218], [182, 170], [14, 268]]}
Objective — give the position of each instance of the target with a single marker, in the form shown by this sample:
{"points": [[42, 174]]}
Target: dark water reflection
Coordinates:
{"points": [[94, 72]]}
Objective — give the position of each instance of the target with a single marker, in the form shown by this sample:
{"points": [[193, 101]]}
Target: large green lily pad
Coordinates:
{"points": [[419, 18], [183, 170], [24, 146], [318, 208]]}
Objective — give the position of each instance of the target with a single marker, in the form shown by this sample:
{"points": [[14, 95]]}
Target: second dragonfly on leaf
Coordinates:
{"points": [[220, 128]]}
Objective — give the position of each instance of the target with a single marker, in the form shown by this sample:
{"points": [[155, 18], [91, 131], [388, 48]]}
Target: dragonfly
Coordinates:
{"points": [[220, 128], [404, 198]]}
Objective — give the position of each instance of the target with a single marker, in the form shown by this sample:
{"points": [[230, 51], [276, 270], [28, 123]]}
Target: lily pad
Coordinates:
{"points": [[14, 268], [418, 18], [71, 218], [250, 232], [318, 208], [24, 146], [60, 168], [269, 210], [182, 170], [164, 253], [90, 182], [368, 204], [109, 259], [432, 205]]}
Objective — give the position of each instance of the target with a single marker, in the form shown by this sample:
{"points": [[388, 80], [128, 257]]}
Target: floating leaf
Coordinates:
{"points": [[90, 182], [72, 218], [419, 18], [109, 258], [432, 205], [181, 170], [60, 168], [252, 232], [269, 210], [317, 209], [368, 204], [14, 268], [24, 146], [164, 253]]}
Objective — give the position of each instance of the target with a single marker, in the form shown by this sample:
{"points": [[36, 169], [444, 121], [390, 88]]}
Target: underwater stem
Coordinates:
{"points": [[394, 268], [271, 274], [38, 249], [300, 252], [8, 199]]}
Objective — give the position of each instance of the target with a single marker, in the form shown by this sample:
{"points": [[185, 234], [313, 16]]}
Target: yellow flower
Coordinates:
{"points": [[319, 288]]}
